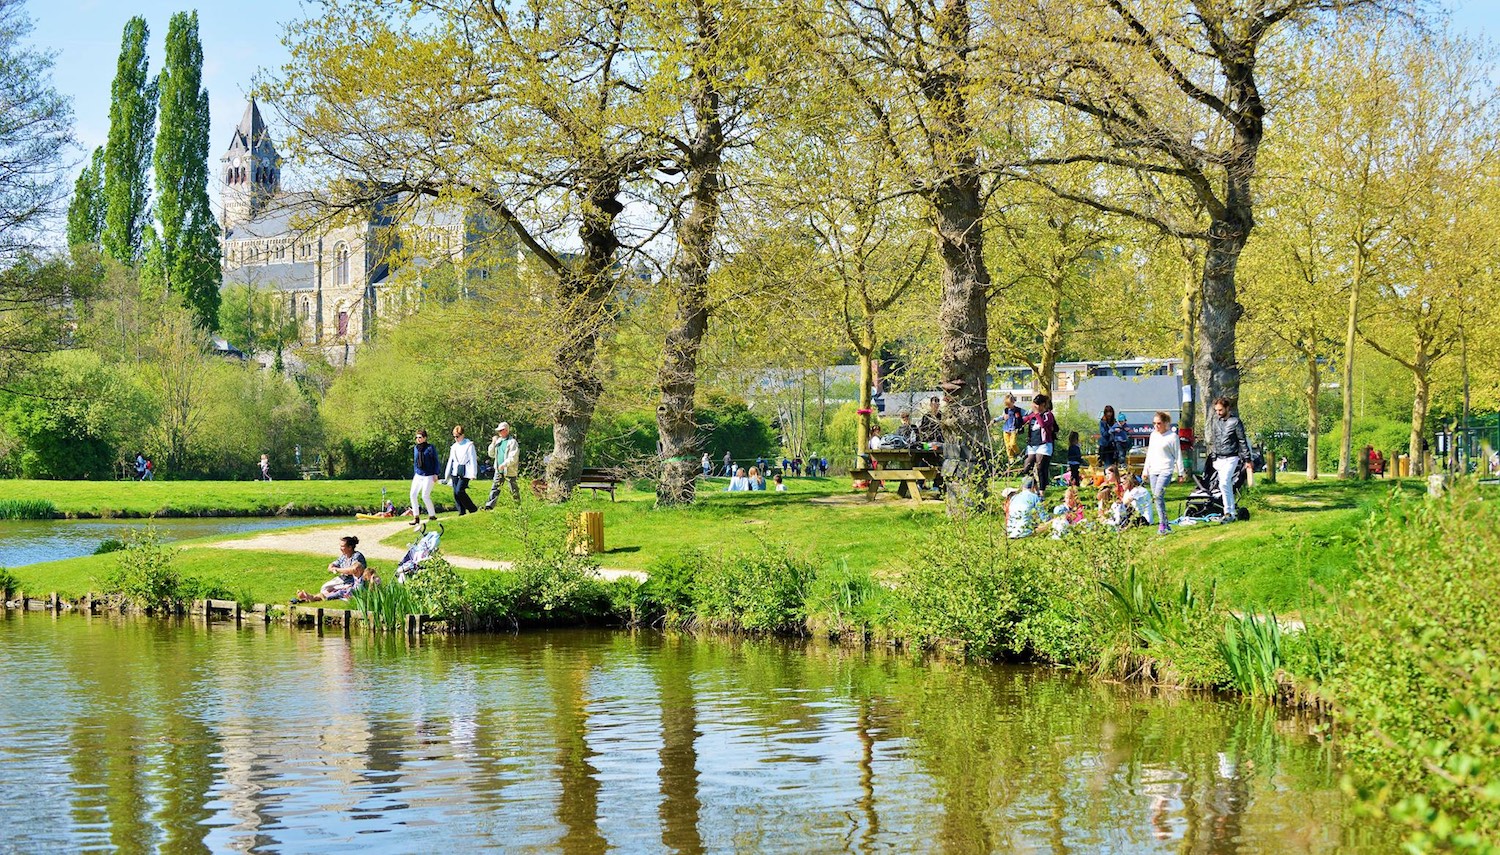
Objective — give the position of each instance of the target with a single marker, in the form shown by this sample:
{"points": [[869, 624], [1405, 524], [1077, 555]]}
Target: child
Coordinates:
{"points": [[1075, 458], [780, 487], [1139, 500], [1074, 506]]}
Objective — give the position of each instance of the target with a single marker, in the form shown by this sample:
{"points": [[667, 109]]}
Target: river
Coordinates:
{"points": [[25, 542], [134, 735]]}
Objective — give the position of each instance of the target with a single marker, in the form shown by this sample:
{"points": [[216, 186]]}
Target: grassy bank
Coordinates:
{"points": [[1297, 548], [108, 499]]}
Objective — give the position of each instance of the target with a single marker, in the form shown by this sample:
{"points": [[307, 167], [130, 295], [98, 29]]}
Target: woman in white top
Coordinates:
{"points": [[1163, 462], [739, 482]]}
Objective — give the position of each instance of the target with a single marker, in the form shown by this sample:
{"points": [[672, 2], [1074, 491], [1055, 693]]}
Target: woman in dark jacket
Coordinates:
{"points": [[1107, 438]]}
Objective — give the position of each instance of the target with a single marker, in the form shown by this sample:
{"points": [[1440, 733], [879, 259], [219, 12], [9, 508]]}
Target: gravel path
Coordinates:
{"points": [[323, 541]]}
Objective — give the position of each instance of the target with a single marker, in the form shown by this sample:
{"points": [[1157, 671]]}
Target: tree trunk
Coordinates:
{"points": [[1218, 369], [1351, 330], [1051, 342], [1421, 369], [866, 387], [1188, 419], [1314, 384], [584, 292], [676, 421], [958, 209]]}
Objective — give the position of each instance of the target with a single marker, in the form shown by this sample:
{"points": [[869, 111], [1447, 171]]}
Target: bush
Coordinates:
{"points": [[144, 574], [438, 590], [8, 583], [668, 590], [754, 592], [1417, 684], [108, 545]]}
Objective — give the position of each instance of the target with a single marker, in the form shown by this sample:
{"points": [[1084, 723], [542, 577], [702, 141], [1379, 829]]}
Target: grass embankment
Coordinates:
{"points": [[1298, 546], [108, 499]]}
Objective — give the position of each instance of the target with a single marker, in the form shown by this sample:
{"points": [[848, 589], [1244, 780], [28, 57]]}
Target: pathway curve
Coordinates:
{"points": [[321, 540]]}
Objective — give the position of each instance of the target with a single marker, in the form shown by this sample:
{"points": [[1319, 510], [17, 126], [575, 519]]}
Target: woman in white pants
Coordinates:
{"points": [[1163, 462], [424, 461]]}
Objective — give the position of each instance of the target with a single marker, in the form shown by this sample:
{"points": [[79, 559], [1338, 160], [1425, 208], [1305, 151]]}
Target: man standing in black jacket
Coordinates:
{"points": [[1229, 449]]}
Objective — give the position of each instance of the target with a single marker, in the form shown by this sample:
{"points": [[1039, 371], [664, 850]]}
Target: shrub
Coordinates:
{"points": [[144, 574], [756, 592], [559, 588], [438, 590], [8, 583], [1417, 685], [668, 589]]}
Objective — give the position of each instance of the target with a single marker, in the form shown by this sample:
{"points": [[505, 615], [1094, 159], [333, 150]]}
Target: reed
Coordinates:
{"points": [[385, 606], [27, 509]]}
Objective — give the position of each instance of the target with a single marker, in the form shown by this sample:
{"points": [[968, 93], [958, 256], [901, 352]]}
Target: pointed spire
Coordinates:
{"points": [[251, 133]]}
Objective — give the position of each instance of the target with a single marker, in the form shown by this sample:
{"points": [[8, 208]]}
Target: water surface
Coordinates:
{"points": [[135, 735], [25, 542]]}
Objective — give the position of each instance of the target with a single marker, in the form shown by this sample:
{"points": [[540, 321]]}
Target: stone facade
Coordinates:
{"points": [[337, 280]]}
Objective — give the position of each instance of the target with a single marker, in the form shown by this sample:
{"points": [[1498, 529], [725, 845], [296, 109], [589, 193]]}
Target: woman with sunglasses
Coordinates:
{"points": [[1163, 462]]}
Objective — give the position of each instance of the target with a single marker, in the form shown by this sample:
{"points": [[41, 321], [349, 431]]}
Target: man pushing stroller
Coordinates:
{"points": [[1229, 450]]}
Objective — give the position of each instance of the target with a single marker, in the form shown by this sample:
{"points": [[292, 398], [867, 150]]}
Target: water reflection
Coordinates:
{"points": [[185, 738]]}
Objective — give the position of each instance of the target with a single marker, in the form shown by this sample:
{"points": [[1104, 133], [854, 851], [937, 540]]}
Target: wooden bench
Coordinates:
{"points": [[600, 479], [903, 477]]}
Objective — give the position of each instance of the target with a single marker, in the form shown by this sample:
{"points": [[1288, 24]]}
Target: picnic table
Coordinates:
{"points": [[902, 465]]}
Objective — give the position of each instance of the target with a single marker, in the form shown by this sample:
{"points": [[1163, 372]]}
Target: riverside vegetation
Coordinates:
{"points": [[1420, 600]]}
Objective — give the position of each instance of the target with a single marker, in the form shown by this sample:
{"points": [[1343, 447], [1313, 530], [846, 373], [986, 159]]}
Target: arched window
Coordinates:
{"points": [[306, 307], [281, 252], [341, 265]]}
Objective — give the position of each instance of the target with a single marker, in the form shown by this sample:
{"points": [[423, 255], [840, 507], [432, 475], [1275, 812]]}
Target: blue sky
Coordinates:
{"points": [[239, 39]]}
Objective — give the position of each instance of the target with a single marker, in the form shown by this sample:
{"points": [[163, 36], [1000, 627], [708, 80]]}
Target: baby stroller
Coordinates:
{"points": [[425, 547], [1206, 500]]}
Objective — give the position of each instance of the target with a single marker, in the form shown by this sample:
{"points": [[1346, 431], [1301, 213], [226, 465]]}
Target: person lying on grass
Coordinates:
{"points": [[349, 573]]}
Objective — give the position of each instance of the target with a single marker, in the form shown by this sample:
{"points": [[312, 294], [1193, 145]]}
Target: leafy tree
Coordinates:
{"points": [[1177, 94], [256, 319], [542, 132], [71, 417], [188, 233], [86, 211], [127, 153], [36, 295], [35, 131]]}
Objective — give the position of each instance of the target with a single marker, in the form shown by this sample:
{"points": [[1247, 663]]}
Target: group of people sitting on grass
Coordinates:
{"points": [[1120, 503], [350, 574], [749, 482]]}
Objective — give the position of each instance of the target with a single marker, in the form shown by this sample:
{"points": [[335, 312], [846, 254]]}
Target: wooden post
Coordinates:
{"points": [[318, 618], [348, 619], [411, 624], [56, 603]]}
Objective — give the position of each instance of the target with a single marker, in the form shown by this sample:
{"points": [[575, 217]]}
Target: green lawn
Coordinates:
{"points": [[212, 498], [1298, 547]]}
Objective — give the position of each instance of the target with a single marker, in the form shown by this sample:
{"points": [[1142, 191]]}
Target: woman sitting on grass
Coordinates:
{"points": [[349, 571]]}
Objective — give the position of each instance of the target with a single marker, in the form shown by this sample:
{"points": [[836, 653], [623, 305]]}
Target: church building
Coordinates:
{"points": [[337, 278]]}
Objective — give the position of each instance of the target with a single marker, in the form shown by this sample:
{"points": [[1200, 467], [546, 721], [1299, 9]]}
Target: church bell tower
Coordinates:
{"points": [[251, 170]]}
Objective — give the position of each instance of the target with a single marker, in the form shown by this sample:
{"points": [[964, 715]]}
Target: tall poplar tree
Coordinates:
{"points": [[127, 154], [188, 244], [86, 211]]}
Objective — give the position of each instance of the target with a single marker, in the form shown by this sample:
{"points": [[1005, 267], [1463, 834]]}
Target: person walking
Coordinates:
{"points": [[1041, 427], [463, 465], [728, 465], [1163, 463], [140, 466], [424, 464], [708, 466], [265, 468], [1230, 450], [506, 453]]}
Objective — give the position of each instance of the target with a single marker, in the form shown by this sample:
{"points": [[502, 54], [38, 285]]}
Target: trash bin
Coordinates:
{"points": [[1403, 467], [588, 532]]}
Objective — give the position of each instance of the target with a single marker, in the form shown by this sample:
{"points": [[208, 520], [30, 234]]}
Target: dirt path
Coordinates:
{"points": [[323, 541]]}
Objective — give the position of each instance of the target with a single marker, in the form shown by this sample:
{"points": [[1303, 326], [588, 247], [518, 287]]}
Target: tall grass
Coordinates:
{"points": [[385, 606], [27, 509], [1252, 649]]}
